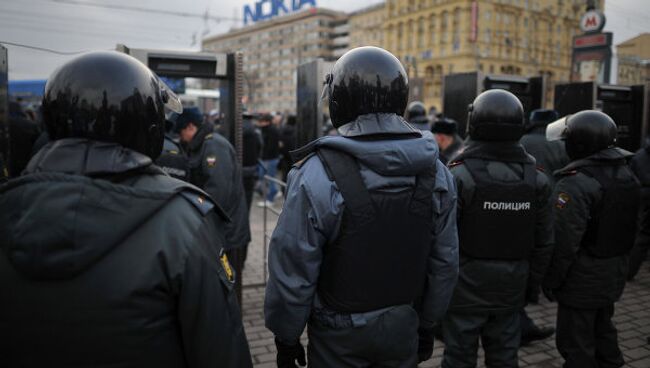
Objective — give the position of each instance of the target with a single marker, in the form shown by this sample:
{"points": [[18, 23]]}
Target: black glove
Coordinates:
{"points": [[548, 293], [425, 344], [288, 354]]}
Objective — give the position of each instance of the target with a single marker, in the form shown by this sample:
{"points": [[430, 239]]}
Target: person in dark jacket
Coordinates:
{"points": [[445, 131], [596, 204], [416, 115], [24, 133], [214, 168], [287, 144], [252, 142], [173, 159], [640, 165], [4, 172], [550, 156], [505, 231], [270, 156], [365, 250], [104, 259]]}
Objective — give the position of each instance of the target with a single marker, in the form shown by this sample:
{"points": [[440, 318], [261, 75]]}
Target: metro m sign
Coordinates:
{"points": [[593, 21]]}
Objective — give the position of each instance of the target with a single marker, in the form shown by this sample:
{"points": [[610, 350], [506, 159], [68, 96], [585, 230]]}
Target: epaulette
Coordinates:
{"points": [[299, 164], [454, 164], [202, 203], [209, 136], [568, 173]]}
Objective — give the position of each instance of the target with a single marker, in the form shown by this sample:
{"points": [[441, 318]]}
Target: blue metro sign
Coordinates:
{"points": [[267, 9]]}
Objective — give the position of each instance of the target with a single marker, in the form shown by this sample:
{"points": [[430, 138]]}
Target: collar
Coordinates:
{"points": [[378, 124], [495, 151], [608, 157], [86, 157], [204, 133]]}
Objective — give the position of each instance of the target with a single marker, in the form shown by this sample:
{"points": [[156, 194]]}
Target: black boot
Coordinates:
{"points": [[536, 333]]}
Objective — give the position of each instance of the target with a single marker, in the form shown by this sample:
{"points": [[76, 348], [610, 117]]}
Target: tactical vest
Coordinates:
{"points": [[380, 257], [612, 225], [500, 221]]}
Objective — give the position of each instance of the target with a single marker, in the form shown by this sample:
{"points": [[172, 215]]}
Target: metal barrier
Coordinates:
{"points": [[266, 232]]}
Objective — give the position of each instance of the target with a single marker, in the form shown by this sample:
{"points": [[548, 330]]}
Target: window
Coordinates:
{"points": [[420, 33]]}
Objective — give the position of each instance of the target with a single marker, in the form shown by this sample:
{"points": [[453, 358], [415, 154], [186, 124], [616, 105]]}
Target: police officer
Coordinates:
{"points": [[550, 156], [640, 164], [214, 168], [104, 259], [173, 159], [416, 114], [445, 131], [505, 231], [365, 251], [596, 203]]}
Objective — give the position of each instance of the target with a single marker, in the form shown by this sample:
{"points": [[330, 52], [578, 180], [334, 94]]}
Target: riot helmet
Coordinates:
{"points": [[496, 115], [111, 97], [584, 133], [416, 112], [366, 80]]}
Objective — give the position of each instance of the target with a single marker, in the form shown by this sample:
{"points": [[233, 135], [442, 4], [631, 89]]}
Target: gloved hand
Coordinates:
{"points": [[288, 354], [425, 344], [548, 293]]}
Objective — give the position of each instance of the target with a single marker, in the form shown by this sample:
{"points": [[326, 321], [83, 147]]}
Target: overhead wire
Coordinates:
{"points": [[44, 49]]}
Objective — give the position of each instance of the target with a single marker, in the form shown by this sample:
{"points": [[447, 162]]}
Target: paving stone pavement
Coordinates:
{"points": [[632, 316]]}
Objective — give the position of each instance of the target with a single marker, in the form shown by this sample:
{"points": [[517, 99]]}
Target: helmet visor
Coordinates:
{"points": [[556, 131], [170, 99]]}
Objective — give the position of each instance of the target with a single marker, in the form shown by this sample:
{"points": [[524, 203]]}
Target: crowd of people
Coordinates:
{"points": [[125, 233]]}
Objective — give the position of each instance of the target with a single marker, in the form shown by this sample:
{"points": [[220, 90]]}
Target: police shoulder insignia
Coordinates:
{"points": [[563, 200], [209, 136], [223, 258], [211, 161], [539, 168]]}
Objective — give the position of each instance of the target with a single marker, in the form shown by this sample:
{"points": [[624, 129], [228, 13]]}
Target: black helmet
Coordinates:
{"points": [[496, 115], [584, 133], [108, 96], [366, 80], [416, 112]]}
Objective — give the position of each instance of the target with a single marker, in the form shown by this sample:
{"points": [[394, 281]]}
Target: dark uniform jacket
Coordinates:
{"points": [[550, 156], [640, 164], [173, 160], [449, 153], [214, 169], [488, 285], [106, 261], [578, 279]]}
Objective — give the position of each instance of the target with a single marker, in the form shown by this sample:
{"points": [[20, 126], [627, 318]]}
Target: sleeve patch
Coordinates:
{"points": [[211, 161], [223, 258], [563, 200]]}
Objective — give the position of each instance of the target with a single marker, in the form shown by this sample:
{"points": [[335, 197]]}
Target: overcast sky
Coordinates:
{"points": [[70, 26]]}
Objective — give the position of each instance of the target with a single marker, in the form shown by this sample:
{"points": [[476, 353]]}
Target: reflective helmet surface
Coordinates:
{"points": [[366, 80], [584, 133], [416, 111], [111, 97], [496, 115]]}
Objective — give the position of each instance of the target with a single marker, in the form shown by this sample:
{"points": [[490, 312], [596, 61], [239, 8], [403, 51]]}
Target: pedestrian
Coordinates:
{"points": [[105, 260], [596, 204], [287, 144], [416, 115], [173, 159], [252, 149], [550, 156], [270, 157], [214, 168], [445, 131], [505, 232], [365, 250], [641, 167]]}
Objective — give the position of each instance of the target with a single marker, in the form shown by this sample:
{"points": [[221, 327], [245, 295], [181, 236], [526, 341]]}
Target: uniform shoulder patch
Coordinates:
{"points": [[562, 201], [223, 259], [454, 164], [209, 136], [211, 160]]}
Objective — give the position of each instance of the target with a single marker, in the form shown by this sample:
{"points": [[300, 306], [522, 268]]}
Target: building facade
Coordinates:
{"points": [[518, 37], [634, 60], [367, 26], [274, 49]]}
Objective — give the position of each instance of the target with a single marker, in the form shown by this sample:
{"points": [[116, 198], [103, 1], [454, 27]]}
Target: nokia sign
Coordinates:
{"points": [[267, 9]]}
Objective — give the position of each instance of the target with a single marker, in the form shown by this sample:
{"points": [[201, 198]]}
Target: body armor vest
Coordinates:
{"points": [[612, 226], [499, 223], [380, 257]]}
